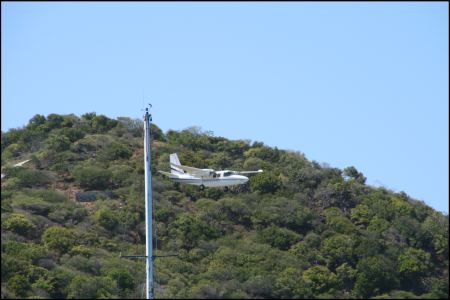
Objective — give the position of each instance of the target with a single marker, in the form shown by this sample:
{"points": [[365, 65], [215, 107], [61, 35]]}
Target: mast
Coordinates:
{"points": [[148, 206]]}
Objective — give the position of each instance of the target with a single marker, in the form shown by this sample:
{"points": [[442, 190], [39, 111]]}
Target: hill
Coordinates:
{"points": [[298, 230]]}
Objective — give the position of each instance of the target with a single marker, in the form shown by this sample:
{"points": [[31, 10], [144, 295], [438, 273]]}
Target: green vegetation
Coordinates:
{"points": [[298, 230]]}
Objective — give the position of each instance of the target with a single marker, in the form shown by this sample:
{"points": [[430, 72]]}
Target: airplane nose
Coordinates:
{"points": [[245, 179]]}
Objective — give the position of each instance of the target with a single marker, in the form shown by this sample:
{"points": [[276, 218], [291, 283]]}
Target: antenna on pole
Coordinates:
{"points": [[148, 206], [149, 256]]}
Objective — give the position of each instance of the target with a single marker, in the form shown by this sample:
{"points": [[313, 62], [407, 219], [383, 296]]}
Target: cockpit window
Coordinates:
{"points": [[227, 173]]}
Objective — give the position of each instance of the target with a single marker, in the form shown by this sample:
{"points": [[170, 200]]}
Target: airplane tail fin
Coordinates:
{"points": [[174, 162]]}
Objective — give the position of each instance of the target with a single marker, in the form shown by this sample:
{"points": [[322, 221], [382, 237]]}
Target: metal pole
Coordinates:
{"points": [[148, 207]]}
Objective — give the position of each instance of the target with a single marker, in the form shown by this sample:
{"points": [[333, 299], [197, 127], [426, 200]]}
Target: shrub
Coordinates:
{"points": [[123, 278], [118, 151], [86, 287], [58, 143], [19, 284], [19, 224], [58, 238], [11, 151], [191, 229], [48, 195], [107, 219], [29, 178], [277, 237], [92, 177], [122, 175]]}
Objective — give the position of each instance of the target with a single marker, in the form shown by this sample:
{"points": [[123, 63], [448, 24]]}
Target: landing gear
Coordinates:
{"points": [[226, 189], [202, 187]]}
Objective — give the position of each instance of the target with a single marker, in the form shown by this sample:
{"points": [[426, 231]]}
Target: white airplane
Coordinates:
{"points": [[21, 163], [204, 177], [16, 165]]}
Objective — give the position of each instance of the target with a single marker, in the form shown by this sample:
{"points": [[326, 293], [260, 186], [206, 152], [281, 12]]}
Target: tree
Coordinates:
{"points": [[375, 275], [73, 134], [134, 128], [291, 285], [320, 279], [435, 228], [413, 261], [368, 243], [345, 276], [307, 253], [439, 289], [101, 123], [413, 264], [54, 121], [379, 203], [229, 210], [336, 194], [282, 212], [12, 136], [62, 277], [260, 287], [44, 284], [81, 250], [70, 120], [360, 215], [254, 163], [264, 153], [265, 183], [123, 278], [37, 120], [155, 131], [412, 230], [352, 173], [338, 249], [220, 161], [378, 225], [337, 221], [399, 295]]}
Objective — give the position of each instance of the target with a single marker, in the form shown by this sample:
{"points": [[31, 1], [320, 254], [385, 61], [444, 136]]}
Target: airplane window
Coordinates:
{"points": [[227, 174]]}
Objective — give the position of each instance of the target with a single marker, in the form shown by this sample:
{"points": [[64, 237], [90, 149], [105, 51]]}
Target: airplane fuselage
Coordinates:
{"points": [[211, 181]]}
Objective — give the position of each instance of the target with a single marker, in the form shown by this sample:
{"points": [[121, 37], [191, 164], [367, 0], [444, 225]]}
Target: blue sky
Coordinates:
{"points": [[362, 84]]}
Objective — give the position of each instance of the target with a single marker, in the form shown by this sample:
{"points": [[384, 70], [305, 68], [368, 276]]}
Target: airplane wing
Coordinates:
{"points": [[249, 172], [170, 175], [21, 163], [194, 171]]}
